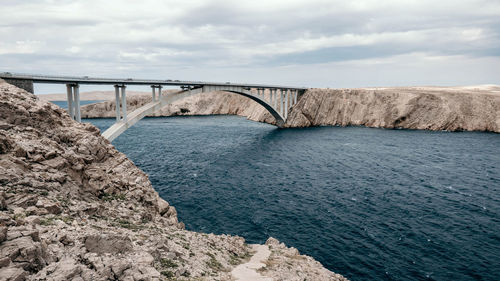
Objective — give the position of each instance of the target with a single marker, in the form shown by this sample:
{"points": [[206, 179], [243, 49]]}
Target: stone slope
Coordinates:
{"points": [[74, 208], [430, 108], [410, 108]]}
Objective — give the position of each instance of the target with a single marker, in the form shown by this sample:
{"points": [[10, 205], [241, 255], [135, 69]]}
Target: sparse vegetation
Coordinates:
{"points": [[107, 197], [167, 273], [168, 263], [213, 263], [127, 224]]}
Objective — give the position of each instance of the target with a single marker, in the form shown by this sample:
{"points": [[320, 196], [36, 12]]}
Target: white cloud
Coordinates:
{"points": [[152, 35]]}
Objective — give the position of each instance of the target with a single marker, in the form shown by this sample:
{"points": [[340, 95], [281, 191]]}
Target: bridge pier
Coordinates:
{"points": [[281, 102], [76, 90], [287, 103], [69, 95], [154, 93], [273, 92], [73, 95], [120, 89], [124, 103], [154, 87]]}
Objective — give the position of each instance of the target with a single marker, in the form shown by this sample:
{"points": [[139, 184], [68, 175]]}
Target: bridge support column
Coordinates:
{"points": [[159, 92], [76, 90], [69, 94], [73, 95], [124, 103], [270, 97], [118, 89], [281, 103], [117, 102], [273, 92], [295, 94], [154, 93], [287, 98]]}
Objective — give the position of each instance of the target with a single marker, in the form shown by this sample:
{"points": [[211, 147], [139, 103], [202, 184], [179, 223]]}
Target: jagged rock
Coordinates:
{"points": [[163, 206], [33, 220], [12, 274], [24, 251], [65, 269], [3, 233], [282, 259], [108, 244], [3, 203], [51, 207], [5, 261]]}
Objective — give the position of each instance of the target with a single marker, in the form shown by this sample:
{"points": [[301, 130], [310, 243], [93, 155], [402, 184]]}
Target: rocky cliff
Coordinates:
{"points": [[430, 108], [74, 208]]}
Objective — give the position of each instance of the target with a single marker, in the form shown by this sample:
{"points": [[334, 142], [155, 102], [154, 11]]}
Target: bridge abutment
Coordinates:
{"points": [[24, 84]]}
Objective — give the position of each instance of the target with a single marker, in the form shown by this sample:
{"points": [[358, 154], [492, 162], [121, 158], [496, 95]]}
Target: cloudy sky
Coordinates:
{"points": [[315, 43]]}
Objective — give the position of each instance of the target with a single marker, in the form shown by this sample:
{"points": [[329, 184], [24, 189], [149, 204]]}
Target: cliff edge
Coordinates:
{"points": [[429, 108], [72, 207]]}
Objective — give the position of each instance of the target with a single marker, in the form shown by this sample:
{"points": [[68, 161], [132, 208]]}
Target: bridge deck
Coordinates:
{"points": [[129, 81]]}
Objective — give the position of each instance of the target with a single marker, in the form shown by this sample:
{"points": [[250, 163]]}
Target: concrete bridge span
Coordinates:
{"points": [[278, 101]]}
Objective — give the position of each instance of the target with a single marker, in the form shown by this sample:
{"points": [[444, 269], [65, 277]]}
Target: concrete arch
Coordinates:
{"points": [[119, 127]]}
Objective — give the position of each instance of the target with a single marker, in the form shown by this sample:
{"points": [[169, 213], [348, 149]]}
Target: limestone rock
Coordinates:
{"points": [[282, 259], [65, 269], [108, 244], [429, 108], [163, 206], [13, 274], [3, 233]]}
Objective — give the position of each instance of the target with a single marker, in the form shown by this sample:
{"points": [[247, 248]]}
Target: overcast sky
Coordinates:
{"points": [[315, 43]]}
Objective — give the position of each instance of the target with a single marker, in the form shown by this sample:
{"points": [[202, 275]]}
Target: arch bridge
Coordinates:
{"points": [[277, 100]]}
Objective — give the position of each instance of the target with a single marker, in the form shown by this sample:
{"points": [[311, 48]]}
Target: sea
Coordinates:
{"points": [[368, 203]]}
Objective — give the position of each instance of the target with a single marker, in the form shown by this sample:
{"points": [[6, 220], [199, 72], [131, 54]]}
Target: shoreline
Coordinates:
{"points": [[81, 210], [470, 108], [422, 108]]}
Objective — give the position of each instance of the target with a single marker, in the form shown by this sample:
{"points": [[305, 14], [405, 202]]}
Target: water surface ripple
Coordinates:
{"points": [[371, 204]]}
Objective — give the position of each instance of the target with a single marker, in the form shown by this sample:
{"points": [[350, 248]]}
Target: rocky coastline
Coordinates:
{"points": [[72, 207], [426, 108]]}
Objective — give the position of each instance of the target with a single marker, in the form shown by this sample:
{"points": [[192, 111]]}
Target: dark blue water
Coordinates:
{"points": [[64, 104], [371, 204]]}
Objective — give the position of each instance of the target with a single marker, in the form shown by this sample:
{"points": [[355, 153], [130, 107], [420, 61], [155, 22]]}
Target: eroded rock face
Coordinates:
{"points": [[108, 243], [288, 264], [429, 108]]}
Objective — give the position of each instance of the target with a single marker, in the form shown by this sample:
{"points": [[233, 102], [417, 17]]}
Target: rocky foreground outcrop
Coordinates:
{"points": [[74, 208], [429, 108]]}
